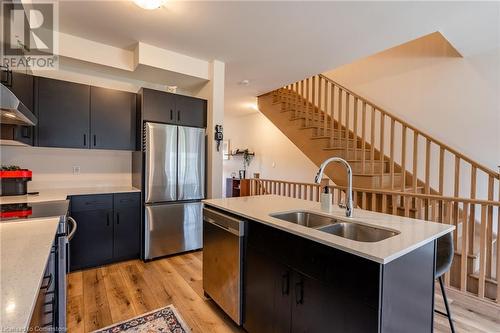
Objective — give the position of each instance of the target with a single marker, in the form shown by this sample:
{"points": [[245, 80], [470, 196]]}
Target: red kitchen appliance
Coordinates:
{"points": [[14, 182]]}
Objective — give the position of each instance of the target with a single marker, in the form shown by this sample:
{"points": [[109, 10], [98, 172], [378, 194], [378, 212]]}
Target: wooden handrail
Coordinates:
{"points": [[413, 128], [436, 208]]}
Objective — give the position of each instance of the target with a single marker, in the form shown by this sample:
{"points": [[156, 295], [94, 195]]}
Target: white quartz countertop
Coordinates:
{"points": [[63, 193], [25, 248], [412, 233]]}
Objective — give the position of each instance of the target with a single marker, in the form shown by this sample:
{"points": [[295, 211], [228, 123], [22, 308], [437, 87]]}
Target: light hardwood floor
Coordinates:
{"points": [[106, 295]]}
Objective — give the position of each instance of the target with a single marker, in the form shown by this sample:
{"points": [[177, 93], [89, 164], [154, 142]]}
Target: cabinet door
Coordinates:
{"points": [[126, 240], [318, 308], [112, 119], [158, 106], [22, 87], [92, 244], [267, 295], [63, 114], [191, 111]]}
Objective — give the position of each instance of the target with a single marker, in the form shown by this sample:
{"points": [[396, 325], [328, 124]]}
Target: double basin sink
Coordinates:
{"points": [[331, 225]]}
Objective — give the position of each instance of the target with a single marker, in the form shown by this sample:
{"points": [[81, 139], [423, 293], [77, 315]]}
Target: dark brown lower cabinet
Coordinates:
{"points": [[108, 229], [295, 285]]}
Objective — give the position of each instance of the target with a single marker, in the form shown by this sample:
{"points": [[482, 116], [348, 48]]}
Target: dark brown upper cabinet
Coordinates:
{"points": [[163, 107], [63, 113], [112, 119]]}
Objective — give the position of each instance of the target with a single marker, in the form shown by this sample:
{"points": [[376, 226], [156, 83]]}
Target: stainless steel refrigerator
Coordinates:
{"points": [[174, 184]]}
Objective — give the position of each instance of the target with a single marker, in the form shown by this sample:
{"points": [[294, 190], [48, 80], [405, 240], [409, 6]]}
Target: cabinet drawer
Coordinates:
{"points": [[122, 200], [82, 203]]}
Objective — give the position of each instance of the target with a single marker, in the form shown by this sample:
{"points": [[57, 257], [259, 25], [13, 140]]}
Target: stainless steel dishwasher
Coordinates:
{"points": [[223, 261]]}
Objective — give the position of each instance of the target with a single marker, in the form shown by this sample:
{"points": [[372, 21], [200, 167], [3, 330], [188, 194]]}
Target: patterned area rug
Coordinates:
{"points": [[165, 320]]}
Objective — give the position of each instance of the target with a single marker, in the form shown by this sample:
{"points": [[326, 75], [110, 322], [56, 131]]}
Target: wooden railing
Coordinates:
{"points": [[376, 136], [477, 274]]}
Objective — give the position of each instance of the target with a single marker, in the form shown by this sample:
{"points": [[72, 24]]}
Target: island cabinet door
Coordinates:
{"points": [[267, 295], [318, 308]]}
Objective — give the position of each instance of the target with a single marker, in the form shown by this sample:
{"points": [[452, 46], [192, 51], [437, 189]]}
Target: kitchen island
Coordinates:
{"points": [[24, 251], [299, 278]]}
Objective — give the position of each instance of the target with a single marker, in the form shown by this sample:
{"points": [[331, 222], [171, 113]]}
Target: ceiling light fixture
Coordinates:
{"points": [[150, 4]]}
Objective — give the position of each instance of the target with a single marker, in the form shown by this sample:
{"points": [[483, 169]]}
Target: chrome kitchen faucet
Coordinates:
{"points": [[349, 205]]}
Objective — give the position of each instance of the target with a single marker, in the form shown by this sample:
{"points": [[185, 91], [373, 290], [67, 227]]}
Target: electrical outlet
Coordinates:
{"points": [[76, 170]]}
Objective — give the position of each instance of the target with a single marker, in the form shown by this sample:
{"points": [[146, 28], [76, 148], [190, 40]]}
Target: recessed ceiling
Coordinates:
{"points": [[275, 43]]}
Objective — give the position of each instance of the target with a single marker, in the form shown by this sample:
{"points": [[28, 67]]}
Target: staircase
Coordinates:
{"points": [[397, 169]]}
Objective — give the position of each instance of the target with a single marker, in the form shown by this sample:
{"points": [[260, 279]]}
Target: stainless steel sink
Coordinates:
{"points": [[331, 225], [358, 232], [306, 219]]}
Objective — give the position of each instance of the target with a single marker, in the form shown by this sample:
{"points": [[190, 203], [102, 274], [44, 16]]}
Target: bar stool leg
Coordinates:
{"points": [[448, 313]]}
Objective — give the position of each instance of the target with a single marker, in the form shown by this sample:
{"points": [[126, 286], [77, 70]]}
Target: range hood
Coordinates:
{"points": [[13, 111]]}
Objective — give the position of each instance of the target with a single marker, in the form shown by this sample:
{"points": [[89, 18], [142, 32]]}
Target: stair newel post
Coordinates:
{"points": [[347, 131], [403, 158], [382, 146], [363, 137], [391, 157]]}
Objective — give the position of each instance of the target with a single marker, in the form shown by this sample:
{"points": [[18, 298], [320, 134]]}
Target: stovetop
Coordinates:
{"points": [[18, 211]]}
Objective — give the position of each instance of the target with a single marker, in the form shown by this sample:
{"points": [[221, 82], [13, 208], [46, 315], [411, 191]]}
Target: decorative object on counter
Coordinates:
{"points": [[237, 187], [233, 174], [326, 199], [242, 174], [14, 180], [166, 320], [256, 175], [226, 149], [218, 135]]}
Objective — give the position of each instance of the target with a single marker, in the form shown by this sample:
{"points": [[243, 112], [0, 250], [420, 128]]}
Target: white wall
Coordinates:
{"points": [[454, 99], [276, 157], [53, 167]]}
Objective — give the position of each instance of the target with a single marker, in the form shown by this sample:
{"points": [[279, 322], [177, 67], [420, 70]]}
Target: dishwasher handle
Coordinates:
{"points": [[224, 222]]}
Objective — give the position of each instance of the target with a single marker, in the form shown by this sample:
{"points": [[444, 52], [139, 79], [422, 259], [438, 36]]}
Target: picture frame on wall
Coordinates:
{"points": [[226, 149]]}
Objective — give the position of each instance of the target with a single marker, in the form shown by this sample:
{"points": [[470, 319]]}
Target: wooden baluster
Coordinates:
{"points": [[427, 166], [472, 226], [456, 192], [448, 220], [382, 154], [391, 157], [407, 202], [318, 192], [332, 114], [372, 143], [482, 251], [311, 193], [498, 249], [299, 193], [340, 115], [302, 95], [355, 128], [347, 131], [415, 161], [325, 111], [394, 205], [465, 245], [441, 170], [384, 203], [403, 158], [306, 110], [363, 200], [489, 237], [313, 100], [374, 202], [320, 99], [363, 137]]}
